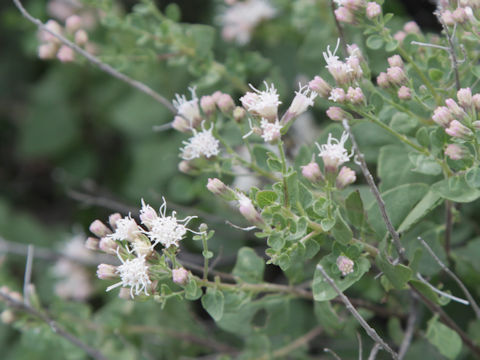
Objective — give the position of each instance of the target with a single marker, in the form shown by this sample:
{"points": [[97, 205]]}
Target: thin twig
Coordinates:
{"points": [[448, 226], [407, 338], [341, 35], [451, 50], [360, 347], [459, 282], [430, 45], [97, 62], [56, 328], [333, 353], [373, 187], [27, 278], [442, 293], [374, 352], [368, 329]]}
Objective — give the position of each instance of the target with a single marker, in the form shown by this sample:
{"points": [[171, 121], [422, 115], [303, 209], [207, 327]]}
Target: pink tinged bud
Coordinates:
{"points": [[355, 95], [216, 95], [105, 271], [454, 109], [181, 124], [404, 93], [54, 27], [180, 276], [447, 18], [148, 215], [320, 86], [411, 27], [99, 229], [81, 37], [112, 219], [217, 187], [185, 167], [354, 63], [465, 98], [456, 129], [312, 172], [65, 54], [400, 36], [344, 15], [459, 15], [225, 103], [442, 116], [47, 51], [373, 10], [346, 176], [108, 245], [249, 212], [476, 101], [337, 95], [207, 104], [92, 243], [73, 23], [345, 265], [382, 80], [239, 113], [7, 316], [354, 5], [395, 60], [396, 75], [337, 114], [455, 152]]}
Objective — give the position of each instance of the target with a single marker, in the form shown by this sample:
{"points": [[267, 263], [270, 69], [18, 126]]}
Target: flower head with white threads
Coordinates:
{"points": [[240, 20], [188, 109], [269, 131], [338, 69], [166, 230], [334, 153], [133, 274], [125, 229], [303, 99], [202, 143], [262, 103]]}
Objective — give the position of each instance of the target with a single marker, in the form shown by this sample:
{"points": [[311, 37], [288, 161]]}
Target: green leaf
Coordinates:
{"points": [[249, 266], [276, 241], [435, 74], [447, 341], [311, 248], [341, 231], [472, 178], [292, 184], [327, 224], [213, 302], [475, 71], [327, 317], [391, 45], [429, 202], [423, 137], [398, 275], [374, 42], [266, 198], [355, 210], [456, 189], [305, 196], [403, 123], [192, 291], [284, 261], [424, 165], [322, 291], [274, 163]]}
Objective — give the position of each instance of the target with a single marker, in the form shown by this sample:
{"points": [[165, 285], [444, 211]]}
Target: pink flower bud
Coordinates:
{"points": [[345, 265], [47, 51], [217, 187], [92, 243], [105, 271], [239, 113], [396, 75], [476, 101], [99, 229], [180, 276], [400, 36], [181, 124], [337, 114], [411, 27], [454, 109], [404, 93], [459, 15], [355, 95], [447, 18], [207, 104], [320, 86], [225, 103], [455, 152], [337, 95], [395, 60], [108, 245], [312, 172], [81, 37], [249, 212], [373, 10], [458, 130], [7, 316], [354, 63], [185, 167], [65, 54], [442, 116], [344, 15], [54, 27], [346, 176], [382, 80], [112, 220], [465, 98], [73, 23]]}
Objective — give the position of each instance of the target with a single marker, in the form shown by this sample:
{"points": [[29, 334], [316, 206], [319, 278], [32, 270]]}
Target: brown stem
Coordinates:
{"points": [[341, 35]]}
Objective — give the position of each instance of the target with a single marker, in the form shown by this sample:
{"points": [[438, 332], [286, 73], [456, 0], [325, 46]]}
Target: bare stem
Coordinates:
{"points": [[341, 35], [374, 352], [368, 329], [97, 62], [407, 338], [459, 282], [27, 278], [373, 187]]}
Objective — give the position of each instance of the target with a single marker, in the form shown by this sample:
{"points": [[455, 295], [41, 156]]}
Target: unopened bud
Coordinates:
{"points": [[382, 80], [454, 109], [354, 5], [92, 243], [465, 98], [459, 15], [54, 27], [99, 229], [345, 265], [239, 113], [455, 152], [476, 125], [81, 37], [312, 172], [458, 130], [73, 23], [396, 75], [395, 60], [225, 103], [320, 86], [249, 212], [108, 245], [476, 101], [113, 218], [442, 116], [180, 276], [207, 104], [355, 95], [373, 10], [411, 27], [181, 124], [345, 177], [404, 93], [106, 271], [216, 95], [217, 187], [337, 114], [447, 18], [400, 36], [338, 95], [65, 54], [7, 316], [185, 167], [344, 15], [47, 51]]}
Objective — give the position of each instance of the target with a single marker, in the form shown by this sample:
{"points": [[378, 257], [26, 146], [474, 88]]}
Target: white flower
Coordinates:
{"points": [[188, 109], [262, 103], [303, 99], [333, 152], [202, 143], [338, 69], [240, 20], [269, 131], [134, 274], [167, 230], [125, 229]]}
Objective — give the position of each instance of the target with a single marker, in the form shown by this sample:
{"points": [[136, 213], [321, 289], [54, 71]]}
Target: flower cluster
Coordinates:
{"points": [[464, 13]]}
